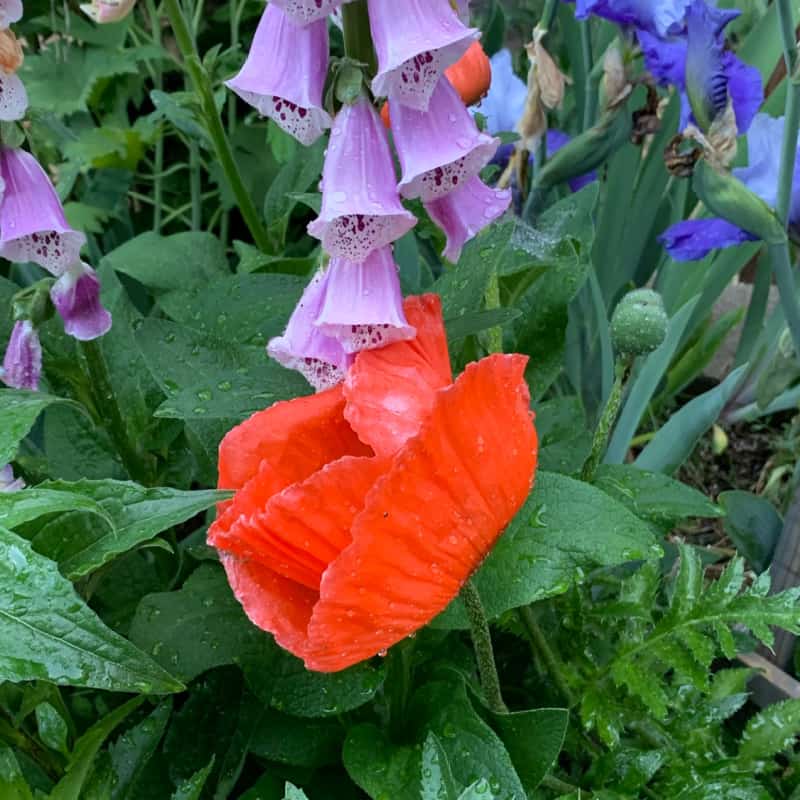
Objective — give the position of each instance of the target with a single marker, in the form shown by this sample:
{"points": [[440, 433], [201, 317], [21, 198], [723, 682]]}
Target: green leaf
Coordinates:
{"points": [[12, 782], [437, 777], [133, 750], [18, 411], [653, 496], [565, 527], [180, 109], [675, 440], [86, 748], [293, 793], [192, 788], [48, 633], [769, 733], [564, 438], [35, 502], [477, 321], [199, 627], [137, 515], [754, 526], [300, 742], [164, 263], [480, 790], [380, 768], [533, 739], [52, 728]]}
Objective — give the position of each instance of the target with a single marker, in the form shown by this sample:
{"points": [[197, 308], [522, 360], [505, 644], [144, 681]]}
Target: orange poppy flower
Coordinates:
{"points": [[471, 77], [359, 512]]}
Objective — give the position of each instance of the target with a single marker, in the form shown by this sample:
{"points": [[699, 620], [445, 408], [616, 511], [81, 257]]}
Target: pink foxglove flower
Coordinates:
{"points": [[363, 304], [32, 222], [464, 213], [105, 11], [305, 11], [7, 481], [439, 149], [10, 12], [284, 74], [321, 360], [22, 363], [414, 45], [76, 296], [361, 209], [13, 97]]}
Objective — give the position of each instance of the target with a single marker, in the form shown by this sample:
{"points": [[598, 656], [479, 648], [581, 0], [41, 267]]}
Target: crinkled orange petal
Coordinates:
{"points": [[307, 525], [391, 391], [432, 519]]}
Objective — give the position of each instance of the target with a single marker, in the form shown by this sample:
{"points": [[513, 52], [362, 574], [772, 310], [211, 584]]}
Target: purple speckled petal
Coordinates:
{"points": [[32, 222], [13, 97], [694, 239], [320, 359], [76, 296], [439, 149], [284, 74], [8, 483], [22, 363], [414, 45], [304, 12], [466, 212], [361, 209], [363, 306]]}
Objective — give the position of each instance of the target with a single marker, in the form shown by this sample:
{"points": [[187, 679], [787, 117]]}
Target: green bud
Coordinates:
{"points": [[34, 303], [11, 134], [639, 324], [727, 197], [349, 83]]}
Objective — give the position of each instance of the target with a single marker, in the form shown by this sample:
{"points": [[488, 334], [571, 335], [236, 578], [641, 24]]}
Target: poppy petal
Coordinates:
{"points": [[430, 522], [391, 391]]}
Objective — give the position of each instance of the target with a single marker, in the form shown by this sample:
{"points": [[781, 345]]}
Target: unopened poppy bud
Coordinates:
{"points": [[639, 324], [10, 52], [727, 197]]}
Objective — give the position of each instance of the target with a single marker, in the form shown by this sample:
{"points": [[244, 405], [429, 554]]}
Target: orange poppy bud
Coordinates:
{"points": [[361, 511], [471, 76]]}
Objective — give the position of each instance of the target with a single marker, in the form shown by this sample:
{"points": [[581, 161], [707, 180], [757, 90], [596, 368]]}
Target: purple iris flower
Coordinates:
{"points": [[697, 63], [693, 239], [660, 17]]}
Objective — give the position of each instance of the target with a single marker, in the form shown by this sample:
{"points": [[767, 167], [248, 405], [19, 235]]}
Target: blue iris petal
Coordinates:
{"points": [[694, 239], [661, 17]]}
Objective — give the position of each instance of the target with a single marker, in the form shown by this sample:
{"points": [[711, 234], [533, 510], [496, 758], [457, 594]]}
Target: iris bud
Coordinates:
{"points": [[639, 324]]}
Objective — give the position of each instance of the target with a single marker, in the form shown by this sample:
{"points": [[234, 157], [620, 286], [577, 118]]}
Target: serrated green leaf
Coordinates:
{"points": [[769, 733], [48, 633]]}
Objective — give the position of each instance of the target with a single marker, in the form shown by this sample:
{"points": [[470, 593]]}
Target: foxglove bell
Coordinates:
{"points": [[105, 11], [304, 12], [284, 74], [464, 213], [361, 209], [32, 222], [76, 296], [363, 304], [22, 363], [415, 44], [8, 483], [320, 359], [10, 12], [439, 149]]}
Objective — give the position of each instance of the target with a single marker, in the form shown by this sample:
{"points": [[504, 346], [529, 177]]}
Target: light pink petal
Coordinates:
{"points": [[76, 296], [22, 363], [13, 98], [304, 12]]}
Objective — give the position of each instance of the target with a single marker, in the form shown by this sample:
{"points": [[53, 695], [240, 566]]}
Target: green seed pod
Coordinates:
{"points": [[727, 197], [33, 303], [639, 324]]}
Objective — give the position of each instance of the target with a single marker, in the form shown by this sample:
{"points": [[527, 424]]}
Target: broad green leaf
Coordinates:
{"points": [[12, 782], [480, 790], [533, 739], [71, 785], [198, 627], [653, 496], [52, 728], [164, 263], [133, 750], [293, 793], [754, 526], [299, 742], [137, 514], [676, 439], [18, 411], [48, 633], [437, 777], [35, 502], [207, 377], [565, 528], [192, 788], [564, 438], [382, 769], [469, 324]]}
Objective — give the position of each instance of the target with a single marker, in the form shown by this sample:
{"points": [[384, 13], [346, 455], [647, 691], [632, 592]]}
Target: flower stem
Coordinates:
{"points": [[607, 420], [482, 642], [158, 162], [780, 256], [357, 34], [202, 87], [108, 410], [492, 299], [542, 648], [590, 99], [548, 15]]}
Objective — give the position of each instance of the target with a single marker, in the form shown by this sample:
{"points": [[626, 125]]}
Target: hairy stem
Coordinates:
{"points": [[357, 34], [542, 648], [484, 653], [222, 148]]}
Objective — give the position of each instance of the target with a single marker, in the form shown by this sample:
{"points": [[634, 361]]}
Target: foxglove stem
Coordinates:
{"points": [[357, 35], [492, 300], [482, 642], [158, 161], [606, 423], [106, 405], [779, 253], [222, 148]]}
